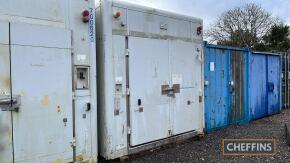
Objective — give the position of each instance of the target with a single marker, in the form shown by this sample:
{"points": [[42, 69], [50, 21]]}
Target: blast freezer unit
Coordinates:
{"points": [[150, 78], [47, 81]]}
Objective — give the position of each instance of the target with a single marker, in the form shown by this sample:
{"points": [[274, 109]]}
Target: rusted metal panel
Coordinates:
{"points": [[226, 86], [265, 82], [237, 87]]}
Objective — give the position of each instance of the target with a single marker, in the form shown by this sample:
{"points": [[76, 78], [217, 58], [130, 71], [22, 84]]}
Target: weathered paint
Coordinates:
{"points": [[5, 117], [41, 58], [161, 48], [265, 84], [226, 86], [45, 101], [238, 98]]}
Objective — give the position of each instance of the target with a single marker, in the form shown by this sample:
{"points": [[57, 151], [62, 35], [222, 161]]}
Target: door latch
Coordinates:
{"points": [[232, 86], [8, 104], [170, 91], [271, 87], [140, 107], [206, 83]]}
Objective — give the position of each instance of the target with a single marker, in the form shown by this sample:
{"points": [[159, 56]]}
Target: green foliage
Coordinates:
{"points": [[276, 40]]}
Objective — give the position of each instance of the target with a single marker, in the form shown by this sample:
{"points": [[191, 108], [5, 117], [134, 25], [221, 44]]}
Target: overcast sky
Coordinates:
{"points": [[209, 10]]}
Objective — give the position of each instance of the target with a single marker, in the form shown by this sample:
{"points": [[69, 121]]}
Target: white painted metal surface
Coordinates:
{"points": [[139, 53], [46, 42], [149, 69], [186, 63], [5, 117], [40, 76]]}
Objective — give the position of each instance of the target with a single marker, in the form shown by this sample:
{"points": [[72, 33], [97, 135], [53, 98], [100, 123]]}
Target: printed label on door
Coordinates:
{"points": [[211, 66]]}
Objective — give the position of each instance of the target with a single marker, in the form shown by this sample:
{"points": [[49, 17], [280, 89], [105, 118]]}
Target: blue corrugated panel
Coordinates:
{"points": [[265, 84], [226, 86]]}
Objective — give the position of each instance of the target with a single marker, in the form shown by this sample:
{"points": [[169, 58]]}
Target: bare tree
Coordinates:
{"points": [[242, 26]]}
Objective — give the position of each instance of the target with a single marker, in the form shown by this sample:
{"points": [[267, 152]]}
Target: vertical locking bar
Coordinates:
{"points": [[127, 55]]}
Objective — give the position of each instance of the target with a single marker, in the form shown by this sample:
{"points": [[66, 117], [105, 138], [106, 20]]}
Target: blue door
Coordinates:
{"points": [[216, 88], [265, 85], [226, 86], [273, 84], [258, 87]]}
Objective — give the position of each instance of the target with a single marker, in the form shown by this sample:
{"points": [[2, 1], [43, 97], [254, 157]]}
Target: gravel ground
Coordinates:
{"points": [[209, 149]]}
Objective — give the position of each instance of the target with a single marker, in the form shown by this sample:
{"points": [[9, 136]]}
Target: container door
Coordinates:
{"points": [[274, 84], [216, 88], [284, 77], [287, 80], [236, 87], [41, 83], [6, 150], [186, 78], [149, 106], [258, 86]]}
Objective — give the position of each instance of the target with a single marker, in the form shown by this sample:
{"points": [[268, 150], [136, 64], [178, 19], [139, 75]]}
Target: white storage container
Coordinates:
{"points": [[150, 78], [47, 81]]}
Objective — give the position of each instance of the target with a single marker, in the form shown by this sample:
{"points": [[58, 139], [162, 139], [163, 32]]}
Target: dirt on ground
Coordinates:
{"points": [[209, 149]]}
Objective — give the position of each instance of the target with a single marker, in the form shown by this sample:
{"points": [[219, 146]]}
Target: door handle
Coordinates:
{"points": [[167, 90], [6, 101], [140, 107], [232, 86], [10, 104]]}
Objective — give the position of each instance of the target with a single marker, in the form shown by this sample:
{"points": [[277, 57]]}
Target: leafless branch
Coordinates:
{"points": [[242, 26]]}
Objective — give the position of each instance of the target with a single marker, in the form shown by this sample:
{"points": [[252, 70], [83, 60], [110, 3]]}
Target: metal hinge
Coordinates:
{"points": [[169, 132], [8, 104], [73, 143], [127, 52], [200, 99], [127, 91], [73, 96], [129, 131]]}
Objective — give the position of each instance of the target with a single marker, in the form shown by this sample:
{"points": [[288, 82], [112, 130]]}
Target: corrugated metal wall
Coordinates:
{"points": [[285, 79], [265, 84], [226, 86]]}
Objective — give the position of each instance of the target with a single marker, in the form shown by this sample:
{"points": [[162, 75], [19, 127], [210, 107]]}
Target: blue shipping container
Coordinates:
{"points": [[265, 84], [226, 86]]}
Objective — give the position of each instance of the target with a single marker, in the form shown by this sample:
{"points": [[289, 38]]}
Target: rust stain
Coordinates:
{"points": [[57, 161], [45, 101], [80, 158], [7, 82]]}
